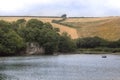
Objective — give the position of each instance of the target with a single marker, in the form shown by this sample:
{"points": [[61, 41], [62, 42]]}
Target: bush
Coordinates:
{"points": [[57, 29], [66, 44], [34, 23], [10, 43], [89, 42]]}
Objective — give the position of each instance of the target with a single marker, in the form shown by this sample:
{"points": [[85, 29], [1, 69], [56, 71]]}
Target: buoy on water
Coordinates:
{"points": [[104, 56]]}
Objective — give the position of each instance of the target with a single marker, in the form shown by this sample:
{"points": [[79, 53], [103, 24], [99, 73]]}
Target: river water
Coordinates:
{"points": [[62, 67]]}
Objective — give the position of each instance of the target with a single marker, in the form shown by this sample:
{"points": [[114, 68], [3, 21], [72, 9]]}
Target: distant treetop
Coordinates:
{"points": [[64, 16]]}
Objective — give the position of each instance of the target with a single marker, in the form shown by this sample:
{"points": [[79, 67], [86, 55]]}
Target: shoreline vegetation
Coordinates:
{"points": [[68, 53], [34, 37]]}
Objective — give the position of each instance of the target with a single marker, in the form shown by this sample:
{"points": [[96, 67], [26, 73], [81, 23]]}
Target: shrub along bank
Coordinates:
{"points": [[14, 37]]}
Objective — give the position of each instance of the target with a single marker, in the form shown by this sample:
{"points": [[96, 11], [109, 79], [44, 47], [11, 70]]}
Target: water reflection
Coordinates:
{"points": [[7, 77], [3, 77]]}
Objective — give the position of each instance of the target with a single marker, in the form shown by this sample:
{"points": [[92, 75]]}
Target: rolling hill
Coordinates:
{"points": [[104, 27], [107, 28]]}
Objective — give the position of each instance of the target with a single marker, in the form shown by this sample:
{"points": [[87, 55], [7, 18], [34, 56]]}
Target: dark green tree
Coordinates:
{"points": [[64, 16], [34, 23], [10, 43], [20, 21], [18, 24], [66, 44], [51, 41], [88, 42], [48, 25], [45, 37]]}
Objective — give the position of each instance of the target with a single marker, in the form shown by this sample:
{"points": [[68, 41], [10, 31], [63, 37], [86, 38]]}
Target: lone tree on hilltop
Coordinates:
{"points": [[64, 16]]}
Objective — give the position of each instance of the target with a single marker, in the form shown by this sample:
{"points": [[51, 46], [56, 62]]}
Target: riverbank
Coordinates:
{"points": [[99, 50], [115, 51]]}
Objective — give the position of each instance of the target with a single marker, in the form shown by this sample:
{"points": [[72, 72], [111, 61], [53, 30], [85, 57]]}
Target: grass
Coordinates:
{"points": [[99, 50], [81, 24], [106, 28]]}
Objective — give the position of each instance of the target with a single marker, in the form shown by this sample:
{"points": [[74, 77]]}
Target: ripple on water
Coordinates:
{"points": [[62, 67]]}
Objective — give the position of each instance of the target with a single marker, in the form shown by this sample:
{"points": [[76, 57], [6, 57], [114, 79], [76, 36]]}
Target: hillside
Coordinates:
{"points": [[107, 28], [104, 27]]}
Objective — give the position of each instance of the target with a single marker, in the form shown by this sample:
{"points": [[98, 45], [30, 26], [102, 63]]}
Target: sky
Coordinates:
{"points": [[73, 8]]}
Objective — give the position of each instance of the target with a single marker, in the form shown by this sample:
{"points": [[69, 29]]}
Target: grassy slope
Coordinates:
{"points": [[107, 28]]}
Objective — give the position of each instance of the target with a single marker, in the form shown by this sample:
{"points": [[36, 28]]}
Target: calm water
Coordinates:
{"points": [[62, 67]]}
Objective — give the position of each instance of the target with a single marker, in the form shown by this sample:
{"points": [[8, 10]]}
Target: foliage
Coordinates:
{"points": [[89, 42], [33, 23], [18, 24], [51, 41], [4, 24], [19, 21], [10, 42], [57, 29], [94, 42], [66, 44], [64, 16], [15, 35], [47, 25], [46, 36]]}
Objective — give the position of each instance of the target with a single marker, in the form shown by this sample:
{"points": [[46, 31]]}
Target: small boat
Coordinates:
{"points": [[104, 56]]}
